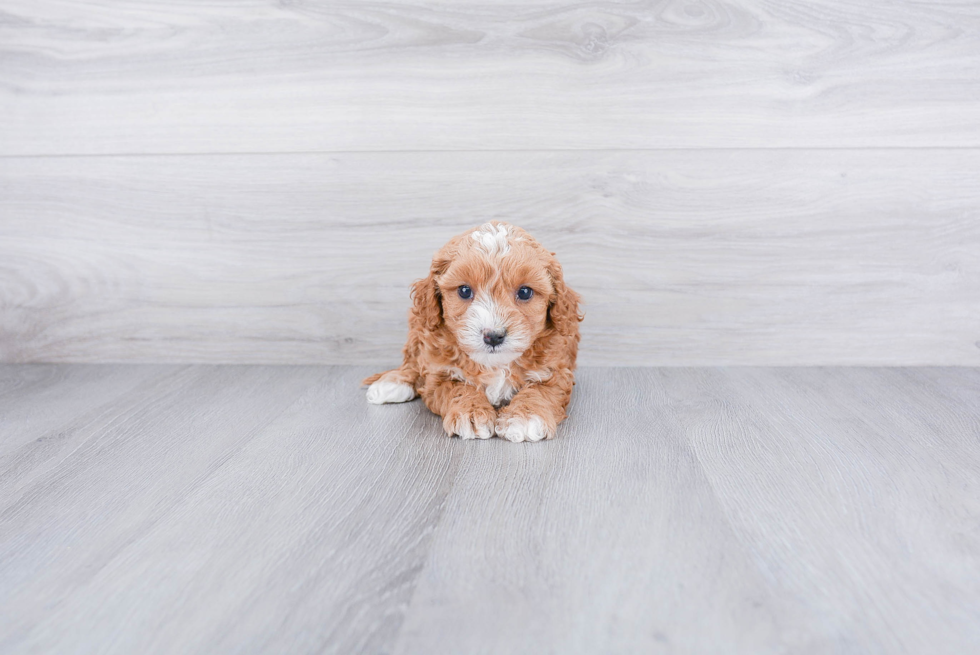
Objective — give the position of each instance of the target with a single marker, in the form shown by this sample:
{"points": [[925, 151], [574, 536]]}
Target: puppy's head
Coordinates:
{"points": [[497, 290]]}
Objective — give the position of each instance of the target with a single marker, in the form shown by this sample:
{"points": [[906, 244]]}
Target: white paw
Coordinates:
{"points": [[383, 391], [515, 429], [469, 427]]}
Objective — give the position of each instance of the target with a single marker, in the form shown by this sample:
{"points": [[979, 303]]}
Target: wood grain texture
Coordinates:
{"points": [[683, 257], [816, 467], [621, 515], [85, 77], [271, 509], [236, 503]]}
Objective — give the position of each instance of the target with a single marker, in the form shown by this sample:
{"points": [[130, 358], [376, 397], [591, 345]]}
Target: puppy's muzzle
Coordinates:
{"points": [[494, 338]]}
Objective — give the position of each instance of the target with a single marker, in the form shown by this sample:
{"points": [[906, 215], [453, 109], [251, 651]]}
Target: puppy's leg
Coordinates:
{"points": [[535, 412], [395, 386], [465, 410]]}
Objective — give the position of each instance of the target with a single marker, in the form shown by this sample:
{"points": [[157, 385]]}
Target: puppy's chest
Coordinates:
{"points": [[500, 385]]}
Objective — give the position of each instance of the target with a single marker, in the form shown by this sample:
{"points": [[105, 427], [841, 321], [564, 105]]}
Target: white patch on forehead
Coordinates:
{"points": [[499, 389], [493, 239]]}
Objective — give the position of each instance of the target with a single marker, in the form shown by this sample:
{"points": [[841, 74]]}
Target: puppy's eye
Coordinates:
{"points": [[525, 293], [465, 292]]}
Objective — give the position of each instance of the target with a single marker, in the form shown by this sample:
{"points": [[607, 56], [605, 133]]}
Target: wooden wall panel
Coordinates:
{"points": [[683, 257], [732, 181], [87, 77]]}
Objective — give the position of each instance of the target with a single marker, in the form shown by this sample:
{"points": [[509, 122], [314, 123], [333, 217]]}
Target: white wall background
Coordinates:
{"points": [[734, 182]]}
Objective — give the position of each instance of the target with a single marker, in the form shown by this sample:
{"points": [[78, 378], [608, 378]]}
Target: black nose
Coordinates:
{"points": [[494, 337]]}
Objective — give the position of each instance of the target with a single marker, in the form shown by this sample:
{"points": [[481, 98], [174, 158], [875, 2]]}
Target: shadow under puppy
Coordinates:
{"points": [[492, 338]]}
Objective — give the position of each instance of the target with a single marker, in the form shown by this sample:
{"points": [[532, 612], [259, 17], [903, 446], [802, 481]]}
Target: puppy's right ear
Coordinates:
{"points": [[427, 302], [426, 305]]}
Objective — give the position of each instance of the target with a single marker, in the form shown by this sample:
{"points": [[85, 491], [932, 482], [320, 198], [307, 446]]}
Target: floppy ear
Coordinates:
{"points": [[426, 306], [427, 303], [563, 310]]}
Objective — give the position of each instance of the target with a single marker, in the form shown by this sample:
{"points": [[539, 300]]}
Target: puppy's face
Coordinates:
{"points": [[495, 294]]}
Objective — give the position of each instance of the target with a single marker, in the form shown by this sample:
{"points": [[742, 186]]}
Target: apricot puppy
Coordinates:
{"points": [[492, 338]]}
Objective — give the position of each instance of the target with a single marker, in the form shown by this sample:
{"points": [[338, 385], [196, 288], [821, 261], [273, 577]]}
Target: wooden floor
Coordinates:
{"points": [[207, 509]]}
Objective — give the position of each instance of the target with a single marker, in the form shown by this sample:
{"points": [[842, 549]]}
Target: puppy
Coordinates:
{"points": [[492, 338]]}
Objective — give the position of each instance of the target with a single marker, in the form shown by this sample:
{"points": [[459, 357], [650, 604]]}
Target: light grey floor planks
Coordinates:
{"points": [[90, 77], [703, 510], [683, 257]]}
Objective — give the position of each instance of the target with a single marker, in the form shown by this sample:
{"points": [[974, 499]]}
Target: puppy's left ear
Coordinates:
{"points": [[563, 310]]}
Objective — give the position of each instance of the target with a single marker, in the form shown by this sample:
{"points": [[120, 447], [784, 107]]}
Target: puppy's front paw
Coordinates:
{"points": [[524, 428], [470, 423], [387, 391]]}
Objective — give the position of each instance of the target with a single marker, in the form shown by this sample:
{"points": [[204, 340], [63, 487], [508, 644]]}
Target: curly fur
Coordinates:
{"points": [[521, 390]]}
